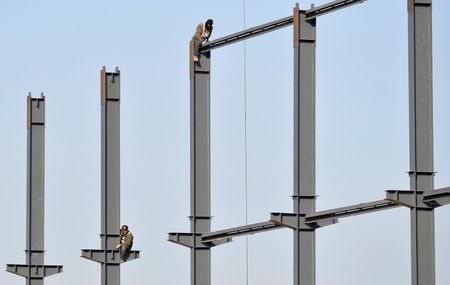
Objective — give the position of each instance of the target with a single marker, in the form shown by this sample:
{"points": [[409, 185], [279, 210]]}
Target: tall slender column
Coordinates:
{"points": [[34, 270], [200, 167], [108, 256], [304, 146], [110, 170], [421, 140]]}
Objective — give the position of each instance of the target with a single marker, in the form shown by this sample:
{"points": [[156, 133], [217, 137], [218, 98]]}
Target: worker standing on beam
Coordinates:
{"points": [[126, 242], [201, 36]]}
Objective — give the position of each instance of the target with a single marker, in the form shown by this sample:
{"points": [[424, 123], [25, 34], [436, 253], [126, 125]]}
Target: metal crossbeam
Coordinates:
{"points": [[239, 231], [437, 194], [277, 24], [330, 7], [246, 34], [354, 210]]}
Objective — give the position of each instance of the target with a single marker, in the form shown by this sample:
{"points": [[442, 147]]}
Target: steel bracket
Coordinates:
{"points": [[34, 271], [405, 198], [192, 240], [420, 199], [108, 256], [298, 221]]}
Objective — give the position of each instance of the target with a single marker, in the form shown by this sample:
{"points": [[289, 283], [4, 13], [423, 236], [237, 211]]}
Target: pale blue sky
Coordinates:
{"points": [[58, 47]]}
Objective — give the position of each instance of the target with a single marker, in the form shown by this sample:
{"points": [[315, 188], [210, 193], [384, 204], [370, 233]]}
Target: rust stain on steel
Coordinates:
{"points": [[191, 59], [103, 86], [296, 25], [410, 6], [28, 111]]}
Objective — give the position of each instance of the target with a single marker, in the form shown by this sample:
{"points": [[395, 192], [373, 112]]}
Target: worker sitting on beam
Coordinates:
{"points": [[126, 242], [201, 36]]}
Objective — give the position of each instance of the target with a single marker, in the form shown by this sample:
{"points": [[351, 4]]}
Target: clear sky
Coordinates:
{"points": [[59, 47]]}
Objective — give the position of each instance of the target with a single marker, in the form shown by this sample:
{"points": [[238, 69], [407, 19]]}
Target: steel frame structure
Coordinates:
{"points": [[422, 198], [108, 256], [34, 270]]}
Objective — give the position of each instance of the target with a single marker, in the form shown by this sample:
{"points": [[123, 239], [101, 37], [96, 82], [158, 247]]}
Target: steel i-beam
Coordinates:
{"points": [[108, 256], [277, 24], [34, 270], [421, 140], [304, 145], [200, 166]]}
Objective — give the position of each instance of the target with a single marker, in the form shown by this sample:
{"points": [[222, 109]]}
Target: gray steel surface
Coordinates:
{"points": [[420, 199], [438, 197], [421, 140], [108, 255], [239, 231], [304, 145], [298, 221], [330, 7], [34, 270], [200, 216], [192, 240], [110, 171], [358, 209]]}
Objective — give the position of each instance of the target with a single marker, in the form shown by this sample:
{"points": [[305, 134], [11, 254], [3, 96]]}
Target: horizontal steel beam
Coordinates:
{"points": [[239, 231], [34, 271], [437, 195], [248, 33], [354, 210], [277, 24], [330, 7]]}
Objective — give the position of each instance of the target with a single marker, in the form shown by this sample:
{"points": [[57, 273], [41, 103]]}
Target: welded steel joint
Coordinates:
{"points": [[420, 199], [299, 221], [194, 240]]}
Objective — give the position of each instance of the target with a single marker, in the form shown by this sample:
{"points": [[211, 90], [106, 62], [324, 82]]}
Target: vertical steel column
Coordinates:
{"points": [[110, 170], [35, 184], [108, 256], [34, 271], [421, 139], [304, 145], [200, 166]]}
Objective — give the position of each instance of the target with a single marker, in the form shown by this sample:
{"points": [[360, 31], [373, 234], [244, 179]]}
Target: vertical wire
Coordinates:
{"points": [[245, 148]]}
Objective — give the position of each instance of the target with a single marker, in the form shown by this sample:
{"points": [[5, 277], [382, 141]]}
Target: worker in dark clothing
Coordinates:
{"points": [[126, 242], [201, 36]]}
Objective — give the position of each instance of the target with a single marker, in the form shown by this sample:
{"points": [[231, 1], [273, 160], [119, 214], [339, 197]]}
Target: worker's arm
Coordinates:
{"points": [[128, 240]]}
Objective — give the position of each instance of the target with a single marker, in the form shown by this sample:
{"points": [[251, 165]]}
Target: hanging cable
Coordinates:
{"points": [[245, 149]]}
